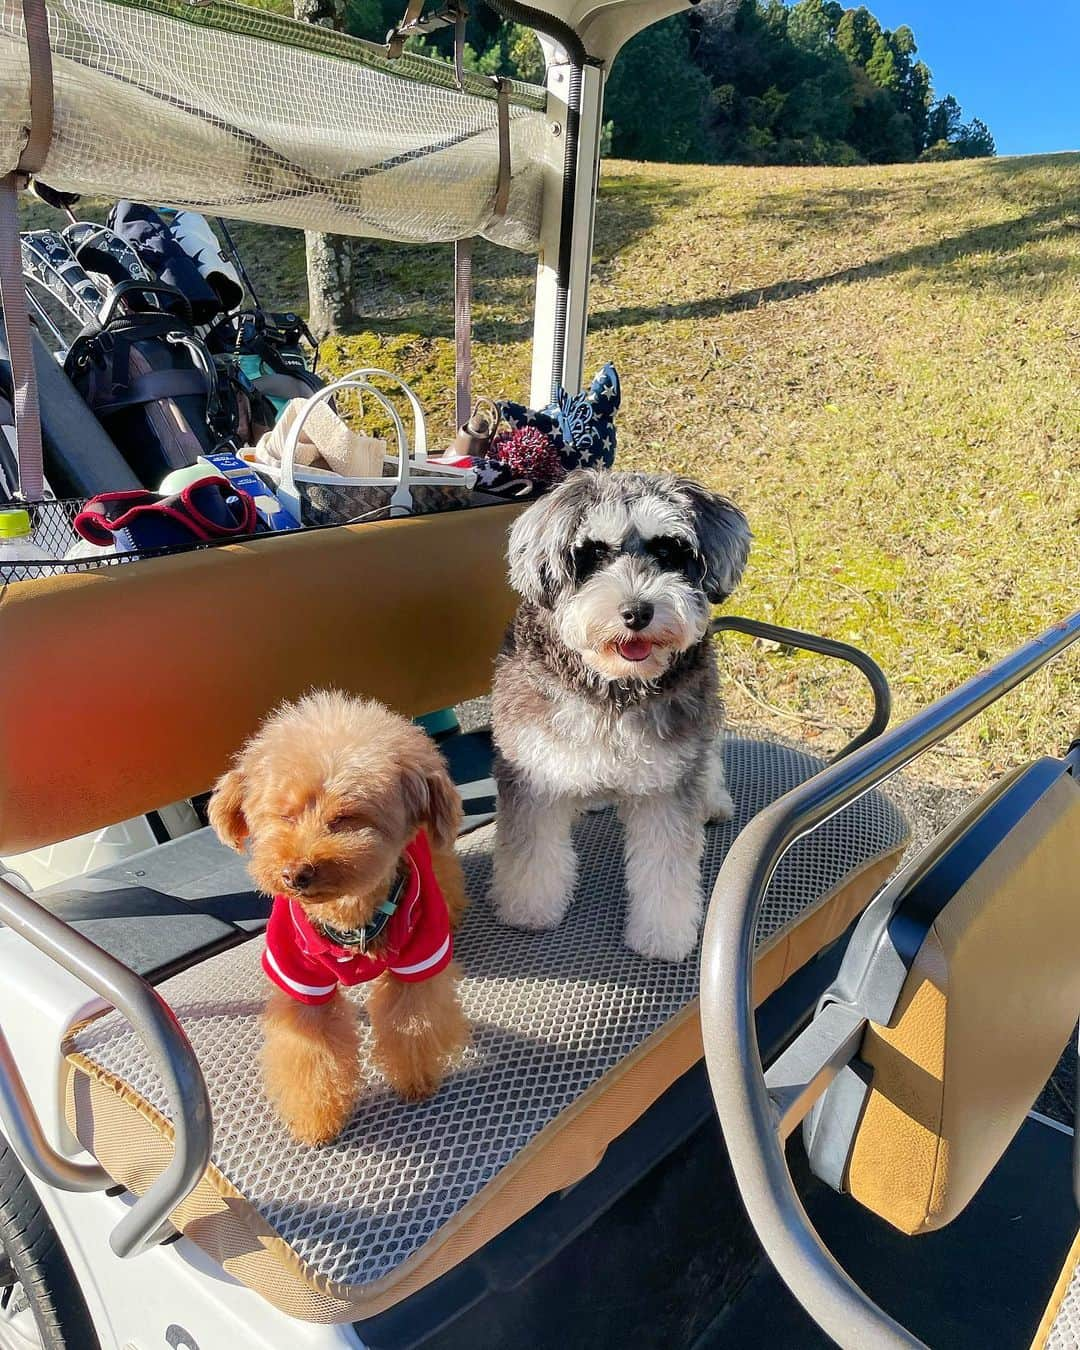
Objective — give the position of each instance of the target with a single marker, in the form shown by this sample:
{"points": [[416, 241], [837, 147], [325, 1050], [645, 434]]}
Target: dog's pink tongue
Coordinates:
{"points": [[635, 649]]}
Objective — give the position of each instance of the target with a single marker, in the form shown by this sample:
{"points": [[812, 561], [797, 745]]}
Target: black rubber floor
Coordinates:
{"points": [[981, 1283]]}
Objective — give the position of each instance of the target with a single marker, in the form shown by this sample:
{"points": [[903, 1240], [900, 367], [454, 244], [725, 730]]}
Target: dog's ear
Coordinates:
{"points": [[226, 810], [542, 539], [432, 800], [723, 535]]}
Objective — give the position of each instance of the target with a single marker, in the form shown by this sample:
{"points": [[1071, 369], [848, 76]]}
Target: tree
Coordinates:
{"points": [[880, 132], [812, 26], [742, 81], [902, 41], [525, 53], [974, 141], [856, 34], [882, 66], [944, 120], [657, 98], [917, 94]]}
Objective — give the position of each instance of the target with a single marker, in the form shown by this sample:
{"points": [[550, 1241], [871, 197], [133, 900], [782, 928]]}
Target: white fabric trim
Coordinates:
{"points": [[432, 960], [312, 989]]}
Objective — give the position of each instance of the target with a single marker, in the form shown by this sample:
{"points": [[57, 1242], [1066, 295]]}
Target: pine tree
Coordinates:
{"points": [[882, 66], [974, 141], [943, 123], [856, 34]]}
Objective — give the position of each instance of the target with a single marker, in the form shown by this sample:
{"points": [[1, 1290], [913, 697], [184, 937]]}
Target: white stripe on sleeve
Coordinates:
{"points": [[430, 961], [312, 990]]}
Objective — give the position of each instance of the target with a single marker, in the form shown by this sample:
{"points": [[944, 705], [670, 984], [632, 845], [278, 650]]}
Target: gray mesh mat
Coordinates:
{"points": [[1065, 1331], [551, 1012]]}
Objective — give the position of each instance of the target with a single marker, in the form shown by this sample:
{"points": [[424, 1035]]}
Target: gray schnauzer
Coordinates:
{"points": [[606, 690]]}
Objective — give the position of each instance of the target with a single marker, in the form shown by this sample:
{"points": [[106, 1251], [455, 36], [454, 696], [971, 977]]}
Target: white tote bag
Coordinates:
{"points": [[409, 486]]}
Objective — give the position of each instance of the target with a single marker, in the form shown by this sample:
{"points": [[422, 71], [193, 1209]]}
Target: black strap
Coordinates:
{"points": [[156, 385]]}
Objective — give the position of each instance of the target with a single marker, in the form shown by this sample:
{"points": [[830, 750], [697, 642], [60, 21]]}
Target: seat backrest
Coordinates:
{"points": [[968, 966], [124, 688]]}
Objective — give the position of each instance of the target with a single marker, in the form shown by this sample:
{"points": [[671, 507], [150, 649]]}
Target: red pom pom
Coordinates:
{"points": [[528, 451]]}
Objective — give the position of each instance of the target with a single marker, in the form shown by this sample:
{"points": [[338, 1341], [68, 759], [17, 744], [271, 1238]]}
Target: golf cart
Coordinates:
{"points": [[570, 1184]]}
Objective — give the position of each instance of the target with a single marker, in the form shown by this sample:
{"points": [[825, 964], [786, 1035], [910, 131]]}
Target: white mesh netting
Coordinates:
{"points": [[552, 1013], [238, 112]]}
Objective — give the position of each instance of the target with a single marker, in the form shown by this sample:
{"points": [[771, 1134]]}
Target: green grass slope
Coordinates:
{"points": [[878, 364]]}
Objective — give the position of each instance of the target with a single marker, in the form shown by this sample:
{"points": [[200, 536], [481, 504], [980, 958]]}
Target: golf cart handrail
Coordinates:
{"points": [[153, 1022], [753, 1122], [840, 651]]}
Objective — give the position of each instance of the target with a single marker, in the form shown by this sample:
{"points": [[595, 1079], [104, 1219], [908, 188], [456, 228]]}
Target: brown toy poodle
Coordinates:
{"points": [[349, 817]]}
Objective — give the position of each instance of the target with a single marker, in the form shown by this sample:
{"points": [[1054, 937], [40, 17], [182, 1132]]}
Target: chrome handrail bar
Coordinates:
{"points": [[747, 1116], [154, 1023]]}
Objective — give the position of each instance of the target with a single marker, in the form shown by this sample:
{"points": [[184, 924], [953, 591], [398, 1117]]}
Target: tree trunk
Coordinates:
{"points": [[333, 281], [333, 271]]}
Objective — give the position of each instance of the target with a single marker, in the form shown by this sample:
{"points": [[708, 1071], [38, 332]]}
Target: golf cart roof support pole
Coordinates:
{"points": [[748, 1115], [575, 111]]}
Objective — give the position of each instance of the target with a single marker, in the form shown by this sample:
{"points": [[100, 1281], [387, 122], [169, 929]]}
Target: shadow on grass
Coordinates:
{"points": [[411, 286], [1043, 225]]}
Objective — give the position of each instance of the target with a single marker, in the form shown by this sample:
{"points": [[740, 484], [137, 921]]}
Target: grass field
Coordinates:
{"points": [[879, 364]]}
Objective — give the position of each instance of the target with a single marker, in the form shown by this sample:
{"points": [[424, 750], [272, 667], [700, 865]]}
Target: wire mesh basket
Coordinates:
{"points": [[53, 531]]}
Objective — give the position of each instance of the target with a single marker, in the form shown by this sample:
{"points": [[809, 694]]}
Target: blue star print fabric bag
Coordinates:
{"points": [[580, 426]]}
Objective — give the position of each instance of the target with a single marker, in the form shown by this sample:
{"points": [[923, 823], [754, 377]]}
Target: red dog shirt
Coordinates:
{"points": [[416, 941]]}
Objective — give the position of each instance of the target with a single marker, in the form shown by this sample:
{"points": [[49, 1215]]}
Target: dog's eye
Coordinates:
{"points": [[588, 556], [668, 552], [346, 823]]}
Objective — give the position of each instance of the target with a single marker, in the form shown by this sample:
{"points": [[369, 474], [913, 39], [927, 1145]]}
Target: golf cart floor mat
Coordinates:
{"points": [[1060, 1326], [574, 1037]]}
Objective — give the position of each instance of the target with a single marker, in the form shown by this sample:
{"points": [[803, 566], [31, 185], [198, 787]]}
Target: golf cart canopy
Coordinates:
{"points": [[239, 112]]}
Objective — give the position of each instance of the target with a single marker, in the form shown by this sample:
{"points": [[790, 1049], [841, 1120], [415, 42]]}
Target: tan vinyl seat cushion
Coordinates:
{"points": [[574, 1037], [984, 1012]]}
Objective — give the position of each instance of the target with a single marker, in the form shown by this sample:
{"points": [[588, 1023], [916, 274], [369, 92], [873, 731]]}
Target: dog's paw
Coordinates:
{"points": [[532, 902], [720, 807], [668, 935], [414, 1084], [312, 1116], [540, 913], [315, 1123]]}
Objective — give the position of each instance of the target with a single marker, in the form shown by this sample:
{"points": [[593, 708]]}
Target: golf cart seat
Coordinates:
{"points": [[574, 1035], [574, 1038]]}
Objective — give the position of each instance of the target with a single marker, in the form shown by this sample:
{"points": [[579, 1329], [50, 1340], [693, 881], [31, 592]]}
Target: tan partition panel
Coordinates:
{"points": [[128, 687], [985, 1011]]}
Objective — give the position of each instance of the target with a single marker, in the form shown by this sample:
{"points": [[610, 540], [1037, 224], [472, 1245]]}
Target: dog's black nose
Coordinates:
{"points": [[638, 616], [299, 878]]}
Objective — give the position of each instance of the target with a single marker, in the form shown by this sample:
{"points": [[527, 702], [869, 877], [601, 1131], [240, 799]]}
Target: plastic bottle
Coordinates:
{"points": [[17, 545]]}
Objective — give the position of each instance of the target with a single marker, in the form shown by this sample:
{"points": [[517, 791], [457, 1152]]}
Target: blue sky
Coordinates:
{"points": [[1011, 62]]}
